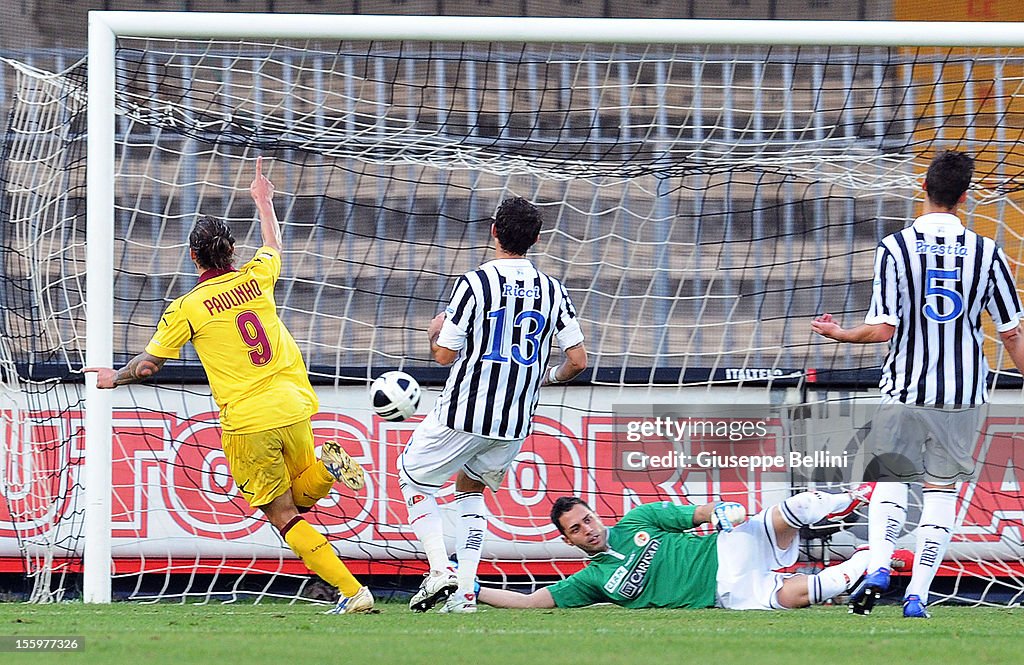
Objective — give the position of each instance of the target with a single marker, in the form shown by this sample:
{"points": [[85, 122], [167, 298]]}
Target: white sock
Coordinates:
{"points": [[836, 579], [811, 507], [425, 520], [886, 514], [469, 536], [937, 520]]}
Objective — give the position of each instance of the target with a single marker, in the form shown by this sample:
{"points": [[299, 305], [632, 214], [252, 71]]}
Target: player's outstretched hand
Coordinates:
{"points": [[261, 189], [825, 326], [104, 376], [727, 515]]}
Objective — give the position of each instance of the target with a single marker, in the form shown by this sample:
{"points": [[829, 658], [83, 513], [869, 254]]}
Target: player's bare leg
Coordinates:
{"points": [[804, 590]]}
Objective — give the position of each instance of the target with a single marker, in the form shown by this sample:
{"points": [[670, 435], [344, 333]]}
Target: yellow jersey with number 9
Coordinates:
{"points": [[256, 372]]}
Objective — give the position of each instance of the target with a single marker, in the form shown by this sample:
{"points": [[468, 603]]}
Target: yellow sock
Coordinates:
{"points": [[313, 484], [318, 555]]}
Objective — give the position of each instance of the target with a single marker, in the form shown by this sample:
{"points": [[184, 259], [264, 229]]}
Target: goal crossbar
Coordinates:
{"points": [[565, 30]]}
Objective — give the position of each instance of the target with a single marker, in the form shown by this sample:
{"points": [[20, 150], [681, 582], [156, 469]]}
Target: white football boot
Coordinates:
{"points": [[361, 603], [460, 603], [436, 587]]}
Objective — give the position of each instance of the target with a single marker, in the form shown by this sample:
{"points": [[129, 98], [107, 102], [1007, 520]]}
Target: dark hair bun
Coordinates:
{"points": [[213, 243]]}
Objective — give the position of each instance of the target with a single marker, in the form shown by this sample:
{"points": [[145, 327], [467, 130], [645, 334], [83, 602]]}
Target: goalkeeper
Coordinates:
{"points": [[648, 559]]}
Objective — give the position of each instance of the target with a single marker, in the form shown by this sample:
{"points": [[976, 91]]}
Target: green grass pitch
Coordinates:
{"points": [[285, 634]]}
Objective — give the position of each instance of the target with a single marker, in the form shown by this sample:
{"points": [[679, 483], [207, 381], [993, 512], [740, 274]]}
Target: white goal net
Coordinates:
{"points": [[702, 205]]}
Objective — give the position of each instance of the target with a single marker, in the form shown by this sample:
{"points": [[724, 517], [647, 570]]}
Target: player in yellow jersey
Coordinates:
{"points": [[259, 381]]}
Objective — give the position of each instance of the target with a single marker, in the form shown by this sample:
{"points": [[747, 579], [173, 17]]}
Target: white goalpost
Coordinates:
{"points": [[707, 185]]}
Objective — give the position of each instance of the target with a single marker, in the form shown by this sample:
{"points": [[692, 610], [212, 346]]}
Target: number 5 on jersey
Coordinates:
{"points": [[932, 288]]}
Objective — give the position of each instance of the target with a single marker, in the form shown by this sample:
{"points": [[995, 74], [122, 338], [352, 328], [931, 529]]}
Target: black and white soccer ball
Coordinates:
{"points": [[395, 395]]}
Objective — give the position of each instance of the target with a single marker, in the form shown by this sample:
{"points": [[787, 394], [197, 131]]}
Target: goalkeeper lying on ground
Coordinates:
{"points": [[649, 560]]}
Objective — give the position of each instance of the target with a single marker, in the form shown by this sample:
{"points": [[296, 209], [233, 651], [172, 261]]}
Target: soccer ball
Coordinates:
{"points": [[395, 395]]}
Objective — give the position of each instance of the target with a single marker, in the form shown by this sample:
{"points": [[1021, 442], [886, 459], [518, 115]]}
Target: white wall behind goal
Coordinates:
{"points": [[173, 495]]}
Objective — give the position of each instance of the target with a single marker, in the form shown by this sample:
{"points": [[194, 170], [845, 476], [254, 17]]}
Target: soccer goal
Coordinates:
{"points": [[709, 187]]}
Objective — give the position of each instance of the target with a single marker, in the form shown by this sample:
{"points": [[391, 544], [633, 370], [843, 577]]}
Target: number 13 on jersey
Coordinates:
{"points": [[532, 320]]}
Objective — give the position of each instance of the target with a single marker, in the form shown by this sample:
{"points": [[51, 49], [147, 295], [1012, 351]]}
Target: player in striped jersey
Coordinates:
{"points": [[496, 333], [932, 282], [259, 381]]}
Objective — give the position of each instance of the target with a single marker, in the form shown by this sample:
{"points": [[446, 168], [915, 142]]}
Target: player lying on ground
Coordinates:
{"points": [[651, 559], [259, 381]]}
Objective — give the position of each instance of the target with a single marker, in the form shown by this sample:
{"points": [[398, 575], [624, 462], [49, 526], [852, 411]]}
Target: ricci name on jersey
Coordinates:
{"points": [[516, 291]]}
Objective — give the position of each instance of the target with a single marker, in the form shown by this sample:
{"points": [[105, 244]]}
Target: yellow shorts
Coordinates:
{"points": [[264, 464]]}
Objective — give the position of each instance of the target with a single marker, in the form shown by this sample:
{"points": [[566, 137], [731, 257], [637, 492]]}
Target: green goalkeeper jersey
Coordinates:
{"points": [[650, 562]]}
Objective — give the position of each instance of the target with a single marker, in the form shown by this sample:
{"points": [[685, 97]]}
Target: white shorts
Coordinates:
{"points": [[436, 452], [747, 559]]}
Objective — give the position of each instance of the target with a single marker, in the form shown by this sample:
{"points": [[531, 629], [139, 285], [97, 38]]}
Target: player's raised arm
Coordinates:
{"points": [[139, 368], [262, 192], [880, 322]]}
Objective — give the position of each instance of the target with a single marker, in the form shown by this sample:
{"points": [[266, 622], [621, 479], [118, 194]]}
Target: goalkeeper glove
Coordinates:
{"points": [[727, 514]]}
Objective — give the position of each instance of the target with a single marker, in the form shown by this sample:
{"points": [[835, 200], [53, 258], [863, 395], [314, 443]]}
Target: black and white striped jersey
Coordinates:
{"points": [[932, 281], [502, 318]]}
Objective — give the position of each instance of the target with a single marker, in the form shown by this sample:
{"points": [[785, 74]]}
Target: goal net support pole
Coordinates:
{"points": [[100, 311]]}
